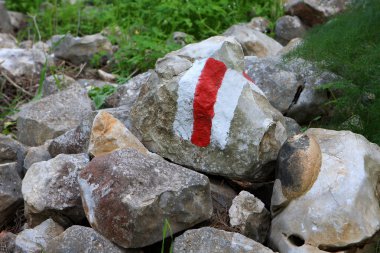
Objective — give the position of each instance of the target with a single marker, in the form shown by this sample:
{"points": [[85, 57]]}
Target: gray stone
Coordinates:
{"points": [[249, 214], [35, 240], [127, 196], [180, 38], [163, 117], [7, 242], [52, 116], [12, 151], [5, 21], [90, 83], [37, 154], [288, 28], [260, 24], [10, 191], [254, 43], [292, 127], [78, 239], [50, 189], [340, 209], [55, 83], [18, 20], [7, 41], [212, 240], [222, 194], [80, 49], [172, 65], [293, 44]]}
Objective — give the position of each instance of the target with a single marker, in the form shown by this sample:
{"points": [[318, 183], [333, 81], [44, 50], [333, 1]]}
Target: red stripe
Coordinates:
{"points": [[206, 91], [248, 77]]}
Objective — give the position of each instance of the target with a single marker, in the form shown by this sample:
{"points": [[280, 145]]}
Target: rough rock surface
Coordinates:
{"points": [[7, 242], [290, 46], [12, 151], [55, 83], [109, 134], [18, 20], [90, 83], [5, 22], [341, 208], [313, 12], [78, 239], [35, 240], [253, 42], [51, 189], [213, 240], [249, 214], [37, 154], [163, 115], [260, 24], [288, 28], [222, 194], [127, 196], [7, 41], [80, 49], [52, 116], [10, 191]]}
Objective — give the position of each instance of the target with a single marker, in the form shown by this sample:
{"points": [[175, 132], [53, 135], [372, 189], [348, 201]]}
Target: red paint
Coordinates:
{"points": [[205, 95], [247, 77]]}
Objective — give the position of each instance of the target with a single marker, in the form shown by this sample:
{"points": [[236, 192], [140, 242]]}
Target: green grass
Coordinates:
{"points": [[349, 46]]}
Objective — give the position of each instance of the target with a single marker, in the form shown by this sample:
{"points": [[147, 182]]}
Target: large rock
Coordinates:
{"points": [[78, 239], [12, 151], [288, 28], [253, 42], [10, 191], [212, 240], [313, 12], [54, 83], [5, 21], [7, 41], [341, 208], [127, 196], [7, 241], [52, 116], [35, 240], [193, 123], [51, 189], [37, 154], [80, 49]]}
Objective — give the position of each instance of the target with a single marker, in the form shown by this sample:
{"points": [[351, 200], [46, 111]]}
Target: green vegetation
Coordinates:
{"points": [[349, 46], [99, 94]]}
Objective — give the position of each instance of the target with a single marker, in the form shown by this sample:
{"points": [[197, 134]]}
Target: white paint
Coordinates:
{"points": [[88, 198], [184, 119]]}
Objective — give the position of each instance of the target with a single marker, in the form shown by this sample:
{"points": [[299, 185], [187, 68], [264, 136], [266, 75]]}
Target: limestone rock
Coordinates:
{"points": [[52, 116], [90, 83], [10, 191], [18, 20], [288, 28], [7, 41], [249, 214], [5, 22], [80, 49], [12, 151], [127, 196], [109, 134], [180, 38], [313, 12], [37, 154], [294, 43], [55, 83], [341, 208], [35, 240], [260, 24], [7, 241], [215, 139], [78, 239], [51, 189], [292, 127], [254, 43], [213, 240]]}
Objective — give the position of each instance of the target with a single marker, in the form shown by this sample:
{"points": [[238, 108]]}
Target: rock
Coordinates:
{"points": [[213, 240], [35, 240], [37, 154], [222, 194], [127, 196], [40, 45], [10, 191], [292, 127], [288, 28], [21, 64], [90, 83], [18, 20], [249, 214], [5, 22], [55, 83], [171, 65], [215, 139], [51, 189], [290, 46], [78, 239], [80, 49], [313, 12], [260, 24], [7, 242], [341, 208], [52, 116], [109, 134], [253, 42], [180, 38], [7, 41], [26, 44], [12, 151]]}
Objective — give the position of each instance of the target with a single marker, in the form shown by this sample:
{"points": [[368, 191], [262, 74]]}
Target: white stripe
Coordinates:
{"points": [[184, 118], [224, 108]]}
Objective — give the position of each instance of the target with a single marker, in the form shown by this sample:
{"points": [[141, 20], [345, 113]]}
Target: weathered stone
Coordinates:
{"points": [[222, 194], [254, 43], [12, 151], [18, 20], [52, 116], [37, 154], [51, 189], [53, 84], [313, 12], [341, 208], [212, 240], [294, 43], [127, 196], [7, 41], [249, 214], [288, 28], [180, 38], [80, 49], [78, 239], [172, 65], [90, 83], [35, 240], [40, 45], [260, 24], [109, 134], [163, 116], [10, 191], [7, 242], [5, 22], [107, 77]]}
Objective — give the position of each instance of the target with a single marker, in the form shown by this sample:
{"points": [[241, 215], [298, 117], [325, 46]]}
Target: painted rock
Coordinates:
{"points": [[209, 115], [299, 162]]}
